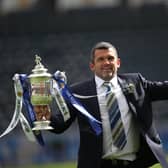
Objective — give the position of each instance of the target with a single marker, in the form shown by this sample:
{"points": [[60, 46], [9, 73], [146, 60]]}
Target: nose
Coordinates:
{"points": [[106, 61]]}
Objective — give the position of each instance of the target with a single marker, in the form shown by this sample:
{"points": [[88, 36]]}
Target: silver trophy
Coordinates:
{"points": [[40, 81]]}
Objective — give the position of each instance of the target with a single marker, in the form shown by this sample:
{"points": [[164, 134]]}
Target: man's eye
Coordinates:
{"points": [[101, 59], [110, 58]]}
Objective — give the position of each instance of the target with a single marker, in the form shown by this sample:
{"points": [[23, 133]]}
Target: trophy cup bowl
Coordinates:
{"points": [[40, 81]]}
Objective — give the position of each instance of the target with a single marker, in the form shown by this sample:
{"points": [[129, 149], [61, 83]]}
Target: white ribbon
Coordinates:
{"points": [[129, 88], [26, 128], [18, 107], [60, 101], [18, 114]]}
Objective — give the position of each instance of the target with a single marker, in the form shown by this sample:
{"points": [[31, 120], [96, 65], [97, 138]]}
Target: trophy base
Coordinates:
{"points": [[42, 125]]}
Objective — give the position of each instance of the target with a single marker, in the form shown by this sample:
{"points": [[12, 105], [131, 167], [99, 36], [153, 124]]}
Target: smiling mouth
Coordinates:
{"points": [[107, 70]]}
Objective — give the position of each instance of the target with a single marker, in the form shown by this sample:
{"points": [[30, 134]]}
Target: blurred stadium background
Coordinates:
{"points": [[62, 32]]}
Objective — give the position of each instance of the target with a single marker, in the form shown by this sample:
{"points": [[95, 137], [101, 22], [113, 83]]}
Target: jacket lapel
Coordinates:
{"points": [[129, 93]]}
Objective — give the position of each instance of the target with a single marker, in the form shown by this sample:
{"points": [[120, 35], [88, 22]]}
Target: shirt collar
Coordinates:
{"points": [[99, 81]]}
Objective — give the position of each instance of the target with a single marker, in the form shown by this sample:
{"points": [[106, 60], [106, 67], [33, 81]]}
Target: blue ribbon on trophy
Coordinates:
{"points": [[29, 107], [66, 93]]}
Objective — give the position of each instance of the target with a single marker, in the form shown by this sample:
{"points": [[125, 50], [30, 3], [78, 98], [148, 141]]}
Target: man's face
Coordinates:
{"points": [[105, 64]]}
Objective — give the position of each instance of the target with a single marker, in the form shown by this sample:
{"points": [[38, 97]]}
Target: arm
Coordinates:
{"points": [[58, 123], [155, 89], [65, 113]]}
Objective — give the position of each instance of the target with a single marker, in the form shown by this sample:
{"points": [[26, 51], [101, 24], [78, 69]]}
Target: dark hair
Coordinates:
{"points": [[101, 45]]}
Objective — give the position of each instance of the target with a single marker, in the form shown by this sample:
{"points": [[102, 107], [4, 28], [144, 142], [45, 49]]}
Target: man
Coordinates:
{"points": [[129, 140]]}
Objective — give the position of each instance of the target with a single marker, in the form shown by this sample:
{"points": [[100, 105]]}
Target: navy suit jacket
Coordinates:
{"points": [[139, 94]]}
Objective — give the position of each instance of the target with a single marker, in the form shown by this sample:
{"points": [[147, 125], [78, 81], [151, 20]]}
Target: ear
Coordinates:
{"points": [[91, 65], [118, 62]]}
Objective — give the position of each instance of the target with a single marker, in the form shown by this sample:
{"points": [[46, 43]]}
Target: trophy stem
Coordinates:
{"points": [[42, 125]]}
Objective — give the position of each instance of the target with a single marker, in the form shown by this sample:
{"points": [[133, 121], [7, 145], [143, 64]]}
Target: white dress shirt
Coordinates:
{"points": [[132, 134]]}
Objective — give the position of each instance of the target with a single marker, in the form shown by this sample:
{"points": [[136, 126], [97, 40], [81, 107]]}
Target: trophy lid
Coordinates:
{"points": [[39, 69]]}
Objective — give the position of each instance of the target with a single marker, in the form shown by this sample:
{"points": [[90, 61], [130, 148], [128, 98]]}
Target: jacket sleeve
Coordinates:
{"points": [[157, 90], [57, 120]]}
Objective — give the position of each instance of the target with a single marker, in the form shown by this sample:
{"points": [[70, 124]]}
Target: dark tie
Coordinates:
{"points": [[117, 128]]}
